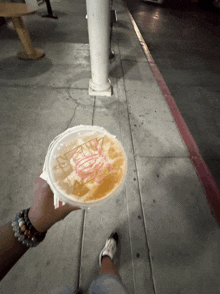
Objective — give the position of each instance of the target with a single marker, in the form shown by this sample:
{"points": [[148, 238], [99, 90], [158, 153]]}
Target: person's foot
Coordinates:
{"points": [[109, 248]]}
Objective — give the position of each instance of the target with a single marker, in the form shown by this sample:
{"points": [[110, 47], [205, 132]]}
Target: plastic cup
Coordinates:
{"points": [[78, 134]]}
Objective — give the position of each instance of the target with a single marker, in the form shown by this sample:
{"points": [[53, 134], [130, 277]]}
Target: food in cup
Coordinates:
{"points": [[90, 169]]}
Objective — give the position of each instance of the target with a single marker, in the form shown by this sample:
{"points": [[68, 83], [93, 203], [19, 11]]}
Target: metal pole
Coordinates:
{"points": [[49, 11], [98, 16]]}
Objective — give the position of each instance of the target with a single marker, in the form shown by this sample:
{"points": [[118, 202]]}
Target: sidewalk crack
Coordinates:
{"points": [[93, 114]]}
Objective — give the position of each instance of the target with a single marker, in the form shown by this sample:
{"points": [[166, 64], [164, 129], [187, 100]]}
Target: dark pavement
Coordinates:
{"points": [[183, 39]]}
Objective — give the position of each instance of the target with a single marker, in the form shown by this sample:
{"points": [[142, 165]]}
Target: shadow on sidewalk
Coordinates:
{"points": [[12, 68]]}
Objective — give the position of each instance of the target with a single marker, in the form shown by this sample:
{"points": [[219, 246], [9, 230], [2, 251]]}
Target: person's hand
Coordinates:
{"points": [[43, 215]]}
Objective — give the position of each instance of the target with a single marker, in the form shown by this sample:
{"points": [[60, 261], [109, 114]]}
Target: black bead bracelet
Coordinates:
{"points": [[24, 230]]}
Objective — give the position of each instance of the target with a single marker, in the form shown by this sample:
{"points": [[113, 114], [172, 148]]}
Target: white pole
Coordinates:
{"points": [[98, 16]]}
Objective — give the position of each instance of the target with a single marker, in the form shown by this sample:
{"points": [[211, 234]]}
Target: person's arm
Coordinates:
{"points": [[10, 249], [42, 215]]}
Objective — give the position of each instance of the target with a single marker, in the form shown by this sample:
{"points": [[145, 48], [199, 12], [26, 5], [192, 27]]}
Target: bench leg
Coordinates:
{"points": [[30, 52]]}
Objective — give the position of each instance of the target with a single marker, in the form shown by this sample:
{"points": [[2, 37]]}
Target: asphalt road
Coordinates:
{"points": [[183, 39]]}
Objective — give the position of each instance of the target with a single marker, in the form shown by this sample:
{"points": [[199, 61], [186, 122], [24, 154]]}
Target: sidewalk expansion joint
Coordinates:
{"points": [[80, 250], [39, 87], [93, 113], [137, 178]]}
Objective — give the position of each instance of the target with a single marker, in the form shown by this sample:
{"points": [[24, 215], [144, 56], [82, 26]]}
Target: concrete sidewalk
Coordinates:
{"points": [[169, 239]]}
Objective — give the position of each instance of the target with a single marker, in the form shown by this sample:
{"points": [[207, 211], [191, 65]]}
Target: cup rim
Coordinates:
{"points": [[62, 195]]}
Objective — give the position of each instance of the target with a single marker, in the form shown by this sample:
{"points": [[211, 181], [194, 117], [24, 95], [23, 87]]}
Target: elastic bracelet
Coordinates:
{"points": [[24, 230]]}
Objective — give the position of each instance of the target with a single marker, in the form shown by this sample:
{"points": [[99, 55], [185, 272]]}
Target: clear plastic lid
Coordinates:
{"points": [[78, 136]]}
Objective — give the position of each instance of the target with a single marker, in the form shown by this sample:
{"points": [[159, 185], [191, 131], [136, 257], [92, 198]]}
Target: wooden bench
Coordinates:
{"points": [[15, 11]]}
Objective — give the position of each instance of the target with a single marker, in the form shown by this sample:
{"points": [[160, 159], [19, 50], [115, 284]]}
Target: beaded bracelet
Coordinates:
{"points": [[24, 230]]}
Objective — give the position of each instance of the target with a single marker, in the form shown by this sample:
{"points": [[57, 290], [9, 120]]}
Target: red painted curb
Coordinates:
{"points": [[209, 185]]}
